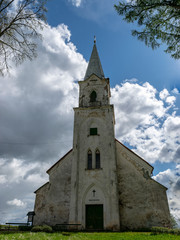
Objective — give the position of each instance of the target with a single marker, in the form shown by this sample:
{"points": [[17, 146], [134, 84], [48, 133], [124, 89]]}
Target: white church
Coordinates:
{"points": [[100, 184]]}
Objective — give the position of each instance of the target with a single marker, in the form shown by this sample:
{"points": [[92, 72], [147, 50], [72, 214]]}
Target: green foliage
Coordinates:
{"points": [[47, 229], [160, 230], [43, 228], [8, 227], [176, 231], [165, 230], [159, 22], [173, 222]]}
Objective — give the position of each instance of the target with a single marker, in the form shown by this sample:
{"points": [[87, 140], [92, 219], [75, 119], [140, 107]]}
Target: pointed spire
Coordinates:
{"points": [[94, 65]]}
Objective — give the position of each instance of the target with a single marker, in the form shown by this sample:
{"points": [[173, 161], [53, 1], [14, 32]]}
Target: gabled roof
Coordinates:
{"points": [[135, 154], [94, 65], [59, 161]]}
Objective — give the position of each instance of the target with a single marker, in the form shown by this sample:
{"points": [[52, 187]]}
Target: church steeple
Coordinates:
{"points": [[94, 65]]}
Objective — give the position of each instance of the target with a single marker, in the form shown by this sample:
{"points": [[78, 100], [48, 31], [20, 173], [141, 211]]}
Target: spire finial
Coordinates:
{"points": [[94, 65], [94, 39]]}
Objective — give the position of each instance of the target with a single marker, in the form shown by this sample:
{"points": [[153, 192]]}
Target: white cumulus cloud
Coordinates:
{"points": [[164, 94], [36, 121], [146, 122], [3, 179], [175, 91], [16, 202], [171, 178], [76, 3]]}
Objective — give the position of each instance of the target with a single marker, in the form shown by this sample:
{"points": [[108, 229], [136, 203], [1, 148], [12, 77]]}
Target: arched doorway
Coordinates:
{"points": [[94, 207]]}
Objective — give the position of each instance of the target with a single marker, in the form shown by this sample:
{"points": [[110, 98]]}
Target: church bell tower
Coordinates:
{"points": [[94, 194]]}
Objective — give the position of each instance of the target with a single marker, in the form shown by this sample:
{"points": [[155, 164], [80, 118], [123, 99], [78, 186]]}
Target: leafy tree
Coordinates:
{"points": [[19, 23], [159, 21], [173, 221]]}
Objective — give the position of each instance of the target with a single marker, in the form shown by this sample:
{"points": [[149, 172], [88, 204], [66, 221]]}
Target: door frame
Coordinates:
{"points": [[102, 215]]}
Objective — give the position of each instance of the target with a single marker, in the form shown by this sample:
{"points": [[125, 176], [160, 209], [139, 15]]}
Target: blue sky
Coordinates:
{"points": [[37, 100], [130, 57], [122, 55]]}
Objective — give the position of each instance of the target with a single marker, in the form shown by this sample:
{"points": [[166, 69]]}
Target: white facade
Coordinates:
{"points": [[100, 184], [97, 115]]}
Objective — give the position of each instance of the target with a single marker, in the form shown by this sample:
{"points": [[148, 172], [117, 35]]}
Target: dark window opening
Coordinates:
{"points": [[89, 163], [98, 164], [93, 96], [93, 131]]}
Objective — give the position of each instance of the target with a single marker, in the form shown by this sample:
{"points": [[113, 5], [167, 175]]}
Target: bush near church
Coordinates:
{"points": [[44, 228]]}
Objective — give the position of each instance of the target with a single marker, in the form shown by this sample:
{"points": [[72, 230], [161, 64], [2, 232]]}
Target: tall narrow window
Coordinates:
{"points": [[93, 96], [98, 164], [89, 160]]}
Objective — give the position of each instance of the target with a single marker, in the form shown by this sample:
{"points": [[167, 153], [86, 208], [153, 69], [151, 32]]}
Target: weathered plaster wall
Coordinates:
{"points": [[40, 205], [53, 199], [100, 86], [103, 180], [142, 201]]}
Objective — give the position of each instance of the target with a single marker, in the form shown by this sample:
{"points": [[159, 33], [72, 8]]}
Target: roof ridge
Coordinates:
{"points": [[59, 160], [134, 153]]}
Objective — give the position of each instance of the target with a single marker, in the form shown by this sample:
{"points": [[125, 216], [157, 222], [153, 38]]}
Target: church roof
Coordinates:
{"points": [[135, 154], [59, 161], [41, 187], [94, 65]]}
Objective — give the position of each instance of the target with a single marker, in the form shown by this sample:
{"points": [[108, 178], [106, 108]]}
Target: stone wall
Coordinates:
{"points": [[52, 202], [142, 200], [100, 86], [103, 180]]}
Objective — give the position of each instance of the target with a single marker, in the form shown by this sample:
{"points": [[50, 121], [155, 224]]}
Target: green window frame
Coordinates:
{"points": [[93, 131]]}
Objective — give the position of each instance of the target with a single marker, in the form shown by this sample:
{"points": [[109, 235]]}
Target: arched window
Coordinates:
{"points": [[89, 160], [98, 164], [93, 96]]}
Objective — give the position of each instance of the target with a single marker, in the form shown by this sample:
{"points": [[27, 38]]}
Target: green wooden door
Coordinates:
{"points": [[94, 217]]}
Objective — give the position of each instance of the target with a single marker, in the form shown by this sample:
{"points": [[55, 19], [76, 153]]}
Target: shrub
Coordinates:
{"points": [[174, 224], [36, 229], [165, 230], [160, 230], [177, 231], [44, 228], [47, 229]]}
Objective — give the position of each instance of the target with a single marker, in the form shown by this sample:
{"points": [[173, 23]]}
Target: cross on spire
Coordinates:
{"points": [[94, 39]]}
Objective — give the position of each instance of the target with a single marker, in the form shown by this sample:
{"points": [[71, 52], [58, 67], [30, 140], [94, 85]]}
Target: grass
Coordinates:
{"points": [[89, 236]]}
